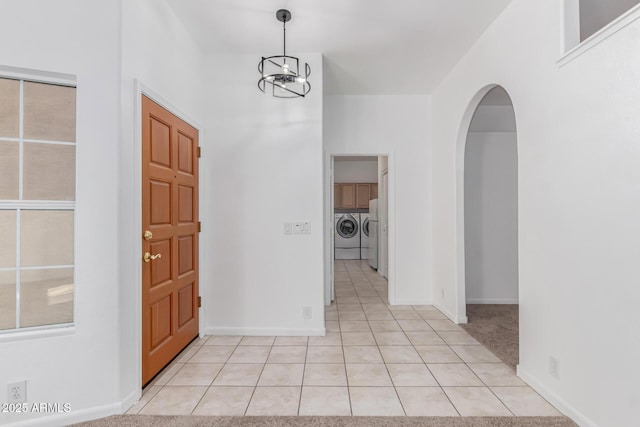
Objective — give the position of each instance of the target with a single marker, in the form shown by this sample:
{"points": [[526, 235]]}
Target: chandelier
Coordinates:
{"points": [[282, 72]]}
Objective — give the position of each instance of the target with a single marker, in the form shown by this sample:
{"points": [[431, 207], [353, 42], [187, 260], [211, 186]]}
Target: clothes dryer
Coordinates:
{"points": [[347, 236]]}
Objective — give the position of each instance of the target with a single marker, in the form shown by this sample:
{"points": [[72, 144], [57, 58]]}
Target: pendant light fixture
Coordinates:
{"points": [[282, 72]]}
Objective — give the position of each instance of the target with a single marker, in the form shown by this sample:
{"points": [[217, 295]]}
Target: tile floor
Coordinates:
{"points": [[375, 360]]}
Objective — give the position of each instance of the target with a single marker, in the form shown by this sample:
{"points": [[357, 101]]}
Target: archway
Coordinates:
{"points": [[488, 219]]}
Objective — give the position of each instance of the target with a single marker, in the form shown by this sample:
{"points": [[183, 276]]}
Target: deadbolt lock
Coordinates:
{"points": [[148, 257], [147, 235]]}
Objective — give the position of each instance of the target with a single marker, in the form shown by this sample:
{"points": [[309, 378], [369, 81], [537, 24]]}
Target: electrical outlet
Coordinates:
{"points": [[17, 392], [307, 313], [554, 367], [287, 228]]}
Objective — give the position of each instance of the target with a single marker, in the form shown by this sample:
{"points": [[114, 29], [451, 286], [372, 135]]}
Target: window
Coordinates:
{"points": [[596, 14], [37, 203]]}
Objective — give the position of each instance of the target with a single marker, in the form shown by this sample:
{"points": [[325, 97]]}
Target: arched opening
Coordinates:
{"points": [[489, 232]]}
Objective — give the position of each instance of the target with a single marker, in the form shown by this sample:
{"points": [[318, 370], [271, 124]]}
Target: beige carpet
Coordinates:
{"points": [[496, 327], [151, 420]]}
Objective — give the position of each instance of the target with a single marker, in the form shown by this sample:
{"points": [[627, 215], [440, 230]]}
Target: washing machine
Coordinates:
{"points": [[364, 236], [347, 236]]}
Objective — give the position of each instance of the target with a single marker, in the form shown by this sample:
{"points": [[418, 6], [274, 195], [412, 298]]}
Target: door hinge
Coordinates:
{"points": [[199, 302], [199, 227], [199, 152]]}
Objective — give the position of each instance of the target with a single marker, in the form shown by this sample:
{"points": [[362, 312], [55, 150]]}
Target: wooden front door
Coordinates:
{"points": [[170, 237]]}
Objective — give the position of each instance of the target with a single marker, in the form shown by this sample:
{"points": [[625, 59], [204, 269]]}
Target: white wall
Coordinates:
{"points": [[398, 126], [595, 14], [160, 54], [579, 203], [491, 217], [79, 37], [265, 167], [355, 171]]}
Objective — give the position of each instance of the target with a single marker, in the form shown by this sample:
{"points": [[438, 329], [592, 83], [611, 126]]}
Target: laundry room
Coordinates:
{"points": [[360, 210]]}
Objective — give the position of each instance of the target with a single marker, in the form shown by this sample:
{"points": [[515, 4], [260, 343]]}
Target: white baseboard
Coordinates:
{"points": [[455, 319], [260, 332], [491, 301], [73, 417], [559, 403]]}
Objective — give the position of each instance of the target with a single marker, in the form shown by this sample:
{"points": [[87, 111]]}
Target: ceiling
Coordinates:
{"points": [[369, 46]]}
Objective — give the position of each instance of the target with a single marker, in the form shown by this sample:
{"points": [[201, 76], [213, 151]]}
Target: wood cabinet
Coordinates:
{"points": [[354, 196]]}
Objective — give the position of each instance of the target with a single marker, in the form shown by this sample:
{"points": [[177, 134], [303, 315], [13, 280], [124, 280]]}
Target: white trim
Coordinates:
{"points": [[40, 141], [491, 301], [559, 403], [455, 319], [38, 76], [250, 331], [34, 205], [47, 331], [603, 34]]}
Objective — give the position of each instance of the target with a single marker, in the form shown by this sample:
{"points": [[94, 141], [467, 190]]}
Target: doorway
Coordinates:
{"points": [[170, 244], [490, 210]]}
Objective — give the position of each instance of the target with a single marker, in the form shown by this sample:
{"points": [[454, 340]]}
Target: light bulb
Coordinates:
{"points": [[285, 69]]}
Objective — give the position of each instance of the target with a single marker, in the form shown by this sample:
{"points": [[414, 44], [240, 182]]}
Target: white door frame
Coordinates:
{"points": [[329, 220]]}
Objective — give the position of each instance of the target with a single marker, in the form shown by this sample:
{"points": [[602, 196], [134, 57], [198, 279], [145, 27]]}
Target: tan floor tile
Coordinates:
{"points": [[391, 338], [325, 354], [426, 402], [384, 326], [525, 402], [411, 375], [250, 354], [400, 308], [406, 315], [353, 299], [474, 353], [331, 316], [331, 338], [458, 338], [371, 300], [187, 354], [362, 354], [379, 315], [147, 395], [223, 340], [357, 338], [244, 374], [352, 315], [444, 325], [354, 326], [349, 307], [424, 338], [288, 354], [196, 374], [374, 308], [280, 401], [476, 401], [414, 325], [332, 325], [224, 401], [363, 375], [400, 354], [437, 354], [174, 401], [325, 401], [367, 293], [431, 315], [454, 375], [496, 374], [325, 375], [281, 375], [166, 374], [212, 354], [375, 401], [291, 341], [261, 341]]}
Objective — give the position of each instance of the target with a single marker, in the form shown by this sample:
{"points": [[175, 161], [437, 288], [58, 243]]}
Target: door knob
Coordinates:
{"points": [[147, 235], [148, 257]]}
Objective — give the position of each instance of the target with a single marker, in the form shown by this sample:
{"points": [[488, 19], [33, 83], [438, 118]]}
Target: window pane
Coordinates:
{"points": [[7, 299], [7, 239], [9, 170], [9, 108], [49, 172], [46, 297], [46, 238], [49, 112]]}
